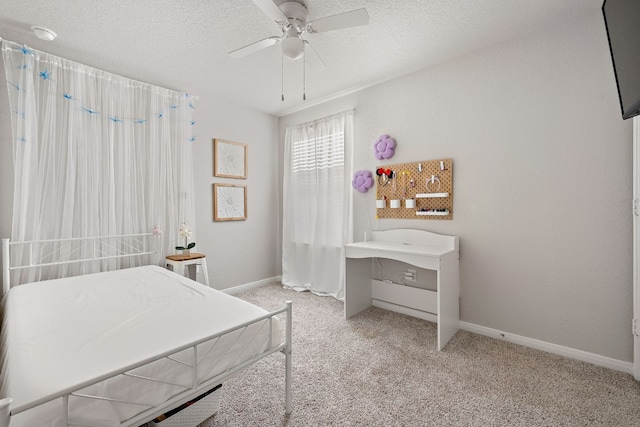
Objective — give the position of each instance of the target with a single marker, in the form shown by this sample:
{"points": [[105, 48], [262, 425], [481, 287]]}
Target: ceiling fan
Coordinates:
{"points": [[291, 17]]}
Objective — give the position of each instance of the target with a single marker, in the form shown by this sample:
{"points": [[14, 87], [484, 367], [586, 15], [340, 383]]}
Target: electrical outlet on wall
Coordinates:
{"points": [[410, 275]]}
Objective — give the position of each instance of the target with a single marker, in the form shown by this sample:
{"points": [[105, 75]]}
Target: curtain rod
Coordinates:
{"points": [[196, 97]]}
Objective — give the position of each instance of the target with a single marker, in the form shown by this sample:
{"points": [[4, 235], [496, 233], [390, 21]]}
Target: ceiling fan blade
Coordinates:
{"points": [[271, 9], [254, 47], [314, 60], [341, 20]]}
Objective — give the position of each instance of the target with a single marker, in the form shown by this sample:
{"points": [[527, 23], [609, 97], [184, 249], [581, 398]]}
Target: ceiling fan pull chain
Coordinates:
{"points": [[282, 75], [304, 73]]}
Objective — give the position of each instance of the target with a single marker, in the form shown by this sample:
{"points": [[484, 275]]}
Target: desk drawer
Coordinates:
{"points": [[407, 296]]}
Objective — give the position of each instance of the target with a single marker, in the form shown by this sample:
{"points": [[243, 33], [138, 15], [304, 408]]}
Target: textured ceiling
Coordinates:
{"points": [[184, 45]]}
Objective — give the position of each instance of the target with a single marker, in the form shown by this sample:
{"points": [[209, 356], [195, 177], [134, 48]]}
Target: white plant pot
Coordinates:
{"points": [[395, 203], [381, 203]]}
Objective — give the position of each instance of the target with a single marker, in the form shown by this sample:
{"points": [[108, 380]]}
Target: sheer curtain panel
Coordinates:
{"points": [[317, 204], [95, 154]]}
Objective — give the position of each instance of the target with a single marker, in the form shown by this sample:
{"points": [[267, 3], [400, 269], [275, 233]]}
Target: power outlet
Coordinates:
{"points": [[410, 275]]}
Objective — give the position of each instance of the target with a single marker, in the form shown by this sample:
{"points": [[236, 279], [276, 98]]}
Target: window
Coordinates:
{"points": [[316, 204]]}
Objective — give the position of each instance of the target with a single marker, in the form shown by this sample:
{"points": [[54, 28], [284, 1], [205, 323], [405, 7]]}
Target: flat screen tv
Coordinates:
{"points": [[622, 21]]}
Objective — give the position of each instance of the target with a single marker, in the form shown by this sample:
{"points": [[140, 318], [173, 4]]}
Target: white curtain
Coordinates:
{"points": [[317, 204], [94, 153]]}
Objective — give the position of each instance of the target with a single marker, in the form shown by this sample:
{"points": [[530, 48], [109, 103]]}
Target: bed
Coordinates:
{"points": [[123, 347]]}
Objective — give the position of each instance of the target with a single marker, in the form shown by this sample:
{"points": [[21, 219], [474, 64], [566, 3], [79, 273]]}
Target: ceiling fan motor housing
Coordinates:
{"points": [[292, 44], [296, 13]]}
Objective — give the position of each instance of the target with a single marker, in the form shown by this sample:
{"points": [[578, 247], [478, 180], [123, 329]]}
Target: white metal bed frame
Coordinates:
{"points": [[139, 248], [102, 248]]}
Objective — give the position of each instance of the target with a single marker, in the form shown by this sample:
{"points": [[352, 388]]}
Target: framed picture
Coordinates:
{"points": [[229, 202], [229, 159]]}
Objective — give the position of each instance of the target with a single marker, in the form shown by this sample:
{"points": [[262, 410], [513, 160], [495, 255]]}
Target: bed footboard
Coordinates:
{"points": [[198, 387]]}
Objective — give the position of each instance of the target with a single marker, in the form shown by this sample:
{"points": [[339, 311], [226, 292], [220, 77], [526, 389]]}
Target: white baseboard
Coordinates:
{"points": [[571, 353], [584, 356], [234, 290]]}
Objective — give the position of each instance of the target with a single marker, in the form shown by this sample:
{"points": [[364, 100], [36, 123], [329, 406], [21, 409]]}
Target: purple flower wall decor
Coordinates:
{"points": [[385, 147], [362, 181]]}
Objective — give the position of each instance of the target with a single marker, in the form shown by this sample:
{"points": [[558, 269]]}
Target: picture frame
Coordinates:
{"points": [[229, 202], [230, 159]]}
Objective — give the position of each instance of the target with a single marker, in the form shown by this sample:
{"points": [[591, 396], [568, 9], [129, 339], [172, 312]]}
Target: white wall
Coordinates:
{"points": [[238, 252], [542, 180]]}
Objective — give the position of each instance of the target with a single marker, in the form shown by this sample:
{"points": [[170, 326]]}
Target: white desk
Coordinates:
{"points": [[419, 248]]}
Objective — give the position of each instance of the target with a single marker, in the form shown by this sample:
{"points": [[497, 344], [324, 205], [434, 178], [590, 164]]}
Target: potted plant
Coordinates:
{"points": [[185, 232]]}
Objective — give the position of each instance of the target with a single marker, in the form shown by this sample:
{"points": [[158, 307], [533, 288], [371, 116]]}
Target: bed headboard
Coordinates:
{"points": [[59, 252]]}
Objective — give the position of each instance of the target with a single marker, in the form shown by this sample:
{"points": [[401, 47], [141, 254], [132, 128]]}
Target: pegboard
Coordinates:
{"points": [[429, 183]]}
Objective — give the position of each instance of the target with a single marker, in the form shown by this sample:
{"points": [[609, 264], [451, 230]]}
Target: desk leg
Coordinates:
{"points": [[448, 299], [357, 285]]}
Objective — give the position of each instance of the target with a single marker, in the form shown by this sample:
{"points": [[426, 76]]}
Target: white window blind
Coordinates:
{"points": [[317, 166], [318, 153]]}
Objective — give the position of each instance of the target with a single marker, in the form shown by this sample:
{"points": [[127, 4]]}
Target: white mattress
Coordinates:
{"points": [[59, 333]]}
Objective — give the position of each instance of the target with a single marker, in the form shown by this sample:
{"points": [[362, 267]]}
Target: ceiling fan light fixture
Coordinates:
{"points": [[292, 47], [43, 33]]}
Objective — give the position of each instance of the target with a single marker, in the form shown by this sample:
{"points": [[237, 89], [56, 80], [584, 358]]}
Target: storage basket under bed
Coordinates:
{"points": [[191, 413]]}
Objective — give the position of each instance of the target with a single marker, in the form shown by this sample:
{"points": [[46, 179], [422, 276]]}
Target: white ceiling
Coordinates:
{"points": [[184, 45]]}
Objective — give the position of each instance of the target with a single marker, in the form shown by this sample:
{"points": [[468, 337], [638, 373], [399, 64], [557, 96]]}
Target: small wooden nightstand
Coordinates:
{"points": [[179, 263]]}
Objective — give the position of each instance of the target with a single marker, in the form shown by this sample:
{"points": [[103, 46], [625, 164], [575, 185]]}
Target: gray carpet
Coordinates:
{"points": [[382, 369]]}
